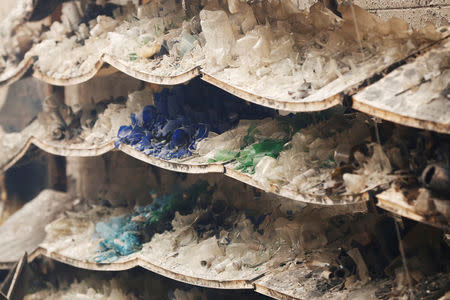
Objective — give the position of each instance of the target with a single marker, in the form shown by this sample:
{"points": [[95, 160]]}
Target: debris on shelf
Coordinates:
{"points": [[171, 128], [304, 253], [219, 239], [340, 155], [211, 231], [73, 47], [333, 156], [63, 123], [141, 39], [273, 50], [160, 36], [420, 161], [16, 16], [251, 141]]}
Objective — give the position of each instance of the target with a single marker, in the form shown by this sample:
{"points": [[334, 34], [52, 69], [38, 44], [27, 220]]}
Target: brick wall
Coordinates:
{"points": [[416, 12]]}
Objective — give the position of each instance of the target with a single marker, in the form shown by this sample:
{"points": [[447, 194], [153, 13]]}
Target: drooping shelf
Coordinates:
{"points": [[80, 62], [141, 72], [70, 239], [25, 230], [96, 69], [13, 73], [423, 207], [289, 193], [19, 31], [233, 260], [415, 94]]}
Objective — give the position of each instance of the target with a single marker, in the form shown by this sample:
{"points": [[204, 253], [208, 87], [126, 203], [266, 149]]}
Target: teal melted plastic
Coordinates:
{"points": [[124, 235]]}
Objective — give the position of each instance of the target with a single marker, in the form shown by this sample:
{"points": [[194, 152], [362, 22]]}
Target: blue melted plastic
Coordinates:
{"points": [[172, 127]]}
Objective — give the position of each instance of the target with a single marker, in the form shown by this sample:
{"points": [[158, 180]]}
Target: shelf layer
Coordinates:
{"points": [[395, 201], [77, 150], [324, 98], [191, 165], [38, 74], [294, 106], [128, 69], [74, 245], [178, 166], [77, 247], [24, 230], [71, 240], [408, 97], [119, 65], [12, 74], [294, 195], [295, 281], [300, 282], [404, 111], [169, 271], [333, 93]]}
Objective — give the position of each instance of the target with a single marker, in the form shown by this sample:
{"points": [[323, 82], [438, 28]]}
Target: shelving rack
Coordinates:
{"points": [[372, 93]]}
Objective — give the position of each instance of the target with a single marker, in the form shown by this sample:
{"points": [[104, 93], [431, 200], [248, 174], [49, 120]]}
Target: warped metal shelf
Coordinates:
{"points": [[32, 239], [361, 87], [395, 202], [405, 97]]}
